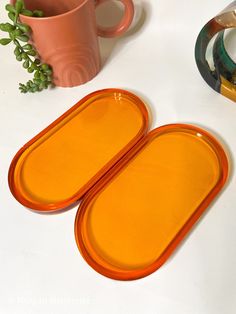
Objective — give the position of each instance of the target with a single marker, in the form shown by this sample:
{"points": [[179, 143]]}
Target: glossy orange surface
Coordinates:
{"points": [[65, 160], [133, 219]]}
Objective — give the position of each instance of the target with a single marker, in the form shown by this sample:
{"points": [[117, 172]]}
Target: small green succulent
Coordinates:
{"points": [[18, 33]]}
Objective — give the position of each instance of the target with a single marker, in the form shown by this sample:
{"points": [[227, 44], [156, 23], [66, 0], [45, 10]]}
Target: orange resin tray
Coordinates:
{"points": [[59, 165], [143, 192], [133, 219]]}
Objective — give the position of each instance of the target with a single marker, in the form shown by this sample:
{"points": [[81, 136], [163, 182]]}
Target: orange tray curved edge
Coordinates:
{"points": [[117, 113], [134, 246]]}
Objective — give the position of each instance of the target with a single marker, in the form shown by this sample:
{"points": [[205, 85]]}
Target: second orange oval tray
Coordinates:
{"points": [[134, 218]]}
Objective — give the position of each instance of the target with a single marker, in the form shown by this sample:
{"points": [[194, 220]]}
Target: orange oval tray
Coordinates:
{"points": [[59, 165], [133, 219]]}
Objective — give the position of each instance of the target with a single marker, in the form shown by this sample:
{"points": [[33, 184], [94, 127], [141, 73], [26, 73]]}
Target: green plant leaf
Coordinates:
{"points": [[11, 16], [12, 35], [48, 72], [27, 12], [43, 77], [10, 8], [3, 27], [44, 67], [27, 47], [26, 64], [34, 66], [35, 89], [32, 53], [30, 70], [19, 6], [37, 75], [18, 32], [17, 51], [7, 27], [38, 13], [19, 58], [5, 41], [24, 38], [37, 81], [45, 85], [24, 55], [24, 28], [37, 61]]}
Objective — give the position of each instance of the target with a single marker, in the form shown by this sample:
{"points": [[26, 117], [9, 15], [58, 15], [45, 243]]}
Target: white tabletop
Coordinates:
{"points": [[41, 270]]}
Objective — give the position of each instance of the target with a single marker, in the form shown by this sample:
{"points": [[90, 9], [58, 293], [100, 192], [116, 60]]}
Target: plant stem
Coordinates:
{"points": [[16, 18], [22, 50]]}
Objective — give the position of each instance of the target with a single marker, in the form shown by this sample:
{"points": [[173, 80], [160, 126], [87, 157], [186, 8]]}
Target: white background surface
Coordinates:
{"points": [[41, 270]]}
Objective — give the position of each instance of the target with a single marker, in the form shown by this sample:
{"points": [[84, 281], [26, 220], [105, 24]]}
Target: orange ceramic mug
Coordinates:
{"points": [[67, 37]]}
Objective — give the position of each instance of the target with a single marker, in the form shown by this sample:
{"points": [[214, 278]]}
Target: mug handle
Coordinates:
{"points": [[124, 24]]}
